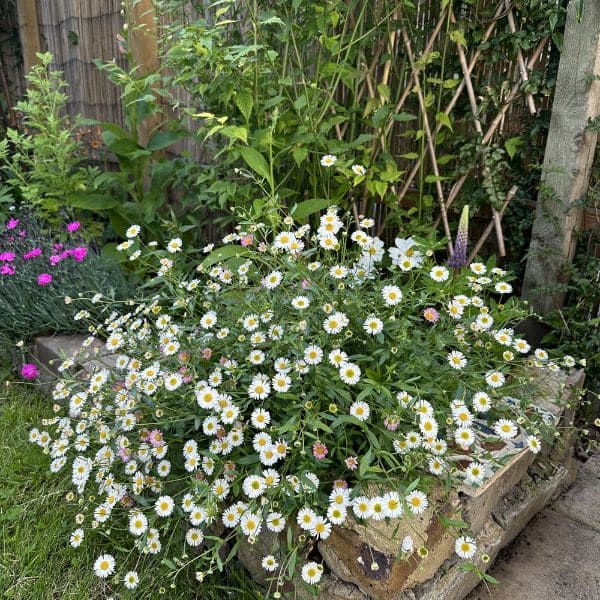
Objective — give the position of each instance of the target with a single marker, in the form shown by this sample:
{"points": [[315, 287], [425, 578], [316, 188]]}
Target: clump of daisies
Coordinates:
{"points": [[293, 381]]}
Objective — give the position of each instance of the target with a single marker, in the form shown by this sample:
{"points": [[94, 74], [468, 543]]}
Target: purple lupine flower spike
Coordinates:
{"points": [[459, 254]]}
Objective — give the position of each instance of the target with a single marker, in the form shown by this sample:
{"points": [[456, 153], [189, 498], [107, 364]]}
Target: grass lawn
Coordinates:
{"points": [[36, 560]]}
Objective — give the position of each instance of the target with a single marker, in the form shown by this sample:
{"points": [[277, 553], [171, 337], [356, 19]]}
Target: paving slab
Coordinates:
{"points": [[557, 556], [582, 501]]}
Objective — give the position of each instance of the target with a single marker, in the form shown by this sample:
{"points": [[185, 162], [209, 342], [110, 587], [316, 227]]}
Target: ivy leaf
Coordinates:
{"points": [[256, 161]]}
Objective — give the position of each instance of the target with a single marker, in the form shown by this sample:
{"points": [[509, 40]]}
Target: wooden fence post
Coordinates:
{"points": [[143, 36], [29, 32], [568, 159]]}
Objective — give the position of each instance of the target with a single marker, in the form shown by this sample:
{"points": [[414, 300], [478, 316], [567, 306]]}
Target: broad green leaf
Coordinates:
{"points": [[245, 103], [91, 201], [410, 155], [163, 139], [235, 132], [308, 207], [256, 161], [444, 120], [299, 154], [512, 145]]}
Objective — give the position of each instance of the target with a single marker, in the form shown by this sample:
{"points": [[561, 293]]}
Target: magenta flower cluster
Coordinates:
{"points": [[52, 257]]}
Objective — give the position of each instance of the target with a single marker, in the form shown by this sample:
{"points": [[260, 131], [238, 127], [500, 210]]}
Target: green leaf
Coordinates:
{"points": [[444, 120], [365, 463], [512, 145], [434, 178], [256, 161], [410, 155], [224, 253], [299, 154], [235, 132], [163, 139], [404, 117], [91, 201], [245, 103], [308, 207]]}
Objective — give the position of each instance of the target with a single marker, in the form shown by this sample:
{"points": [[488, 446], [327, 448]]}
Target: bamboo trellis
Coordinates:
{"points": [[77, 33]]}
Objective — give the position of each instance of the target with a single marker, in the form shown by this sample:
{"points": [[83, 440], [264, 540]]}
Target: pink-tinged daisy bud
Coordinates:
{"points": [[44, 279], [351, 463], [206, 353], [29, 371], [247, 240], [431, 315], [459, 253]]}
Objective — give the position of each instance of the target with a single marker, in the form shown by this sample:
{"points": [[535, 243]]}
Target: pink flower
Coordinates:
{"points": [[391, 423], [7, 256], [351, 463], [206, 353], [156, 438], [29, 371], [74, 226], [247, 240], [79, 253], [32, 254], [431, 315], [124, 454], [304, 284], [57, 247], [319, 450], [7, 270], [12, 223], [44, 279]]}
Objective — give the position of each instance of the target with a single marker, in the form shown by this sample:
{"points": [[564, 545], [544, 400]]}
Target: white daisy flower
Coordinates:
{"points": [[495, 379], [533, 443], [312, 572], [328, 160], [133, 231], [174, 245], [360, 410], [439, 273], [505, 429], [275, 522], [194, 537], [164, 506], [138, 524], [481, 402], [104, 566], [417, 502], [350, 373], [77, 538], [269, 563], [313, 355], [465, 547], [131, 580], [456, 360], [359, 170], [373, 325], [391, 294]]}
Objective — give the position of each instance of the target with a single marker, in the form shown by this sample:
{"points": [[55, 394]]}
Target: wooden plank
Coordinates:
{"points": [[568, 159], [143, 39], [29, 32]]}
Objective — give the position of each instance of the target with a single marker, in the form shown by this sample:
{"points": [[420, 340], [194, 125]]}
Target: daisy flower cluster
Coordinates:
{"points": [[293, 381]]}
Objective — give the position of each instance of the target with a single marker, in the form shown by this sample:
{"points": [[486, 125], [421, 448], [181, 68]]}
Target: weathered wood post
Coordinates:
{"points": [[569, 154], [143, 37], [29, 32]]}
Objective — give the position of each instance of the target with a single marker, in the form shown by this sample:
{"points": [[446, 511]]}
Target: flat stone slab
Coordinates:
{"points": [[582, 502], [556, 556]]}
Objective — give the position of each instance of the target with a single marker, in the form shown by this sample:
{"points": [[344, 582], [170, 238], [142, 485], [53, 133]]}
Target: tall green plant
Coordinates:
{"points": [[43, 160]]}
